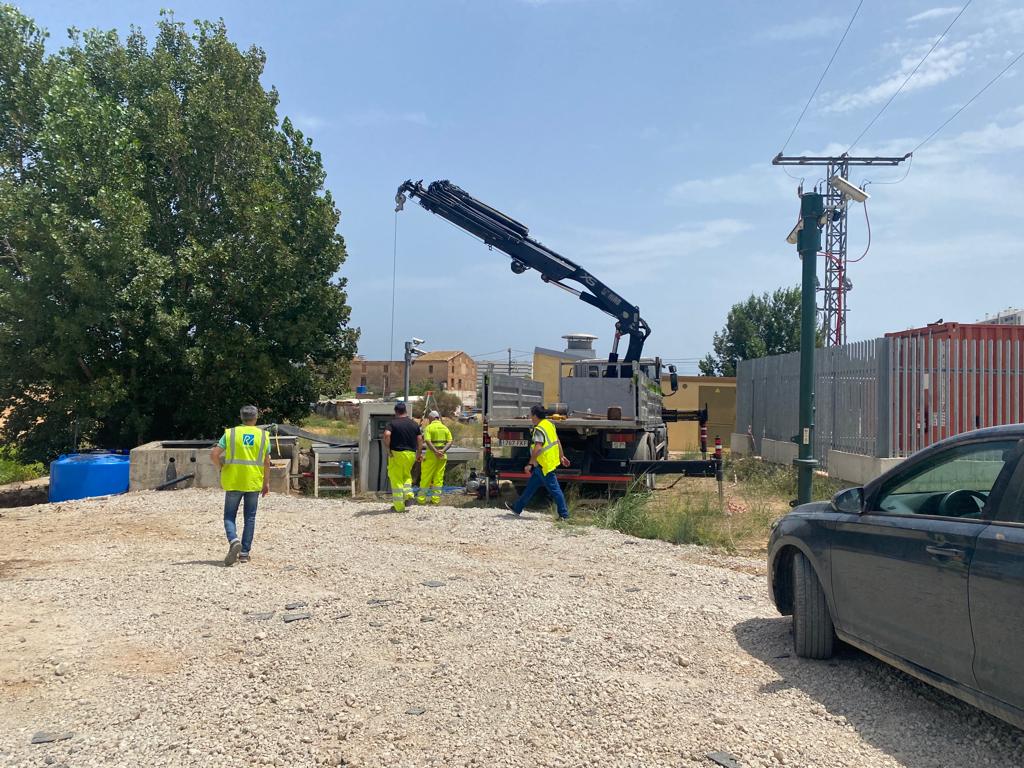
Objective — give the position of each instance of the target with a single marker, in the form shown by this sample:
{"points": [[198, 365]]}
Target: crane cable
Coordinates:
{"points": [[394, 282]]}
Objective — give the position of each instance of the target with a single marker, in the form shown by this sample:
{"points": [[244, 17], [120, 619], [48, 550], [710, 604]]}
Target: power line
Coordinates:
{"points": [[965, 106], [910, 164], [822, 78], [912, 73]]}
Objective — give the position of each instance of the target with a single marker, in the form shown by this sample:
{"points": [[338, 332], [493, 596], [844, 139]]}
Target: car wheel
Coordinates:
{"points": [[813, 632]]}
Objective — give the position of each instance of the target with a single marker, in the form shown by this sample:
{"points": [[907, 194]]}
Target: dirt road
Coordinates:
{"points": [[442, 637]]}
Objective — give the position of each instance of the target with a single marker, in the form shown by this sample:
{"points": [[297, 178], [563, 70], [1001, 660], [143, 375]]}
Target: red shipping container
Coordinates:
{"points": [[952, 378]]}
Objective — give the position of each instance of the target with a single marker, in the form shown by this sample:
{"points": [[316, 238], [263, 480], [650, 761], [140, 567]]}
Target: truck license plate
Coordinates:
{"points": [[514, 443], [618, 444]]}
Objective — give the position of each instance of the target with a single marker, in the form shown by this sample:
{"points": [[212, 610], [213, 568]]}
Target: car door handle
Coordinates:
{"points": [[951, 552]]}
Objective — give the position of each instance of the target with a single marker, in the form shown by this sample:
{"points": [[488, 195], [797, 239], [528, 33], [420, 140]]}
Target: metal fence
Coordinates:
{"points": [[885, 397], [850, 395]]}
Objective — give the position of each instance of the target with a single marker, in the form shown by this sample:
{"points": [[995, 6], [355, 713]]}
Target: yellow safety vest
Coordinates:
{"points": [[437, 433], [548, 458], [245, 449]]}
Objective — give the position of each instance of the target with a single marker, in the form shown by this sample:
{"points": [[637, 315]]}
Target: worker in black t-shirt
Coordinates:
{"points": [[404, 442]]}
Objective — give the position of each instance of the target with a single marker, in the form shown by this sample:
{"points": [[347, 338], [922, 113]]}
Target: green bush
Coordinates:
{"points": [[778, 480], [13, 470]]}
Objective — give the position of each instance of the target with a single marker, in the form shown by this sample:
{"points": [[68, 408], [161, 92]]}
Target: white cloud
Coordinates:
{"points": [[749, 186], [634, 258], [944, 63], [309, 123], [933, 13], [370, 118], [819, 26]]}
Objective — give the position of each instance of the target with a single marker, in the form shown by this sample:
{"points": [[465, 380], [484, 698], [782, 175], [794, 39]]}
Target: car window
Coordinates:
{"points": [[955, 483]]}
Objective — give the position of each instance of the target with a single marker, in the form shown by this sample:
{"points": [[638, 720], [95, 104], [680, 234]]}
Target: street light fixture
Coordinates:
{"points": [[412, 351]]}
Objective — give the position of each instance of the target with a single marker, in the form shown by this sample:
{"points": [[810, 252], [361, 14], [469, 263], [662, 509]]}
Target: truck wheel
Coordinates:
{"points": [[813, 632], [645, 452]]}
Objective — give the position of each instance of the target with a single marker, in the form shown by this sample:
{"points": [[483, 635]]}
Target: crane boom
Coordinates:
{"points": [[513, 238]]}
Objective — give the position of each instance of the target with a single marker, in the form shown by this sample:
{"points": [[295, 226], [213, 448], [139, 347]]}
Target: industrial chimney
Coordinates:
{"points": [[580, 344]]}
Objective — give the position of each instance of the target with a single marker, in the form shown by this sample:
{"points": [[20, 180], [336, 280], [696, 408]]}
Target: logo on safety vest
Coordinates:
{"points": [[248, 439]]}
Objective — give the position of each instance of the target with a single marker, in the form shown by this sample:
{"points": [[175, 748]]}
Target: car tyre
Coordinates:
{"points": [[813, 632]]}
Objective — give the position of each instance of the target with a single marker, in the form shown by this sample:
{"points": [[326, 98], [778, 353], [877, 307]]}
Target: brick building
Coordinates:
{"points": [[452, 371]]}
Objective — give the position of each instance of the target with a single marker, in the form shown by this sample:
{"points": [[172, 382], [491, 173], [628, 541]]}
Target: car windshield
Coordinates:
{"points": [[970, 470]]}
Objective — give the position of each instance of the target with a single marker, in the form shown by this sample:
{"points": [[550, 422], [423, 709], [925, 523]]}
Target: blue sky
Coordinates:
{"points": [[635, 137]]}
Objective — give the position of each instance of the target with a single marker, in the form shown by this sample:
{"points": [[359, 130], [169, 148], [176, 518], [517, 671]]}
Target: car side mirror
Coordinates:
{"points": [[849, 501]]}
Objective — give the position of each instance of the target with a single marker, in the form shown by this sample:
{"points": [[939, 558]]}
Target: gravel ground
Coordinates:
{"points": [[442, 637]]}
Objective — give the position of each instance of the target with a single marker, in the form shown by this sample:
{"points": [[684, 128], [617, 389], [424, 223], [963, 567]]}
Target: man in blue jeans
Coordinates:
{"points": [[545, 456], [243, 458]]}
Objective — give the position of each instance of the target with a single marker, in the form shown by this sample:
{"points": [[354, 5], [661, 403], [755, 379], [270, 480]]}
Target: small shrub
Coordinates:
{"points": [[13, 470]]}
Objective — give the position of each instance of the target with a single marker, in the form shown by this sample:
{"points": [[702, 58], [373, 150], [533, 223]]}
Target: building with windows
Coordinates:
{"points": [[1007, 317], [450, 371]]}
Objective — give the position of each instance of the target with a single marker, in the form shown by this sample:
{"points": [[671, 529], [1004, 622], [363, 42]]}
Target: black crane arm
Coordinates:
{"points": [[513, 238]]}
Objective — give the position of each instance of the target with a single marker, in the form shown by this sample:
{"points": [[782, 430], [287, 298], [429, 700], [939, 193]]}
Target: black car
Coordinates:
{"points": [[922, 567]]}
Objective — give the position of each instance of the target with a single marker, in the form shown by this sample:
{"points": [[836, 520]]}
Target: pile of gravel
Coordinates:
{"points": [[441, 637]]}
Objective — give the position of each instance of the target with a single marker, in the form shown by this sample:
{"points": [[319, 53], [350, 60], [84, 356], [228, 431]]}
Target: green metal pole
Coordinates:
{"points": [[812, 205]]}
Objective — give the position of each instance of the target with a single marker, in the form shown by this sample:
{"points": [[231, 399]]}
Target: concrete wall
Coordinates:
{"points": [[856, 467], [778, 451], [741, 445], [149, 465], [547, 370]]}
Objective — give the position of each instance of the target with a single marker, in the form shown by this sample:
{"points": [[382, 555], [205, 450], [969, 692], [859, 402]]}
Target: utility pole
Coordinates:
{"points": [[835, 305], [812, 209], [510, 361]]}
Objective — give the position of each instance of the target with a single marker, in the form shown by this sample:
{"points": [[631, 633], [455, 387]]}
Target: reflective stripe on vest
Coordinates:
{"points": [[245, 452], [547, 458], [233, 449]]}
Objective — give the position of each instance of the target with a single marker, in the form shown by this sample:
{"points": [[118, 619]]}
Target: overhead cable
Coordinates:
{"points": [[908, 78], [948, 120], [822, 78]]}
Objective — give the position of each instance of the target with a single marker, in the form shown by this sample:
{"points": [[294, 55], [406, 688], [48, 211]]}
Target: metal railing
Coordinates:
{"points": [[886, 397]]}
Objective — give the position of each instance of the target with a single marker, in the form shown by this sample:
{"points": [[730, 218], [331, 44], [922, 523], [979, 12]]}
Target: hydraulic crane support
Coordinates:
{"points": [[513, 238]]}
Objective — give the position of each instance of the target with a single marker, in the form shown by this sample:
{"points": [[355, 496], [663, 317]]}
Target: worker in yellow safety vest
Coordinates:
{"points": [[403, 439], [438, 439], [546, 456], [243, 459]]}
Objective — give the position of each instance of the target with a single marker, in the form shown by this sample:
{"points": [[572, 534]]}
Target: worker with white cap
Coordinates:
{"points": [[438, 439]]}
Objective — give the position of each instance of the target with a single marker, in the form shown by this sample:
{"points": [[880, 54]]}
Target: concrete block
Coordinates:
{"points": [[150, 464], [279, 470], [740, 445], [778, 451], [857, 467]]}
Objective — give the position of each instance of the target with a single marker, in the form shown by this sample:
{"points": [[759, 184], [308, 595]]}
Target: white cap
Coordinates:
{"points": [[435, 415]]}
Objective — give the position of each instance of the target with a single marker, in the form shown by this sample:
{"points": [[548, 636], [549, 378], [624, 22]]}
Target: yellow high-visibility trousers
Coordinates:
{"points": [[432, 478], [400, 464]]}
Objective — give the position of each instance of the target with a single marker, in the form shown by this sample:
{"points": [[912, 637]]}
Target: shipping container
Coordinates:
{"points": [[952, 378]]}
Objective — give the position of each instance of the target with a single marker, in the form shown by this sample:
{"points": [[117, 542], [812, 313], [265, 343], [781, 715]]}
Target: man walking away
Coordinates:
{"points": [[438, 439], [545, 456], [243, 458], [404, 442]]}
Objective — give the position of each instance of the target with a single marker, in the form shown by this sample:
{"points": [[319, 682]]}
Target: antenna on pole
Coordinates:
{"points": [[837, 285]]}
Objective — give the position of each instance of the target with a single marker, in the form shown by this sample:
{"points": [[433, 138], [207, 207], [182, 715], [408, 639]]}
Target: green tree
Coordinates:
{"points": [[768, 324], [167, 248]]}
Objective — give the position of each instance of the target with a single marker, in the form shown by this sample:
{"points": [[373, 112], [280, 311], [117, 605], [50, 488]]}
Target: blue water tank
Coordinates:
{"points": [[80, 475]]}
